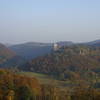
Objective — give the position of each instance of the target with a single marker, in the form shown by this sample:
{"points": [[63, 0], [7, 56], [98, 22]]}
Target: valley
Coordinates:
{"points": [[61, 73]]}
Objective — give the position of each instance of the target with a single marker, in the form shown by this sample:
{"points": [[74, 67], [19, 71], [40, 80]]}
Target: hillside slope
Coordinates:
{"points": [[32, 50], [95, 43], [68, 62], [5, 53], [8, 58]]}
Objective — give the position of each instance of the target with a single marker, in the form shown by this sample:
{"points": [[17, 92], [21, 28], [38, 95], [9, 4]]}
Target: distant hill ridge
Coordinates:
{"points": [[32, 50], [19, 54]]}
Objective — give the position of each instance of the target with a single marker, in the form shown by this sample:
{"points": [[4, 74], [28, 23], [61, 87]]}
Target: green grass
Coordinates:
{"points": [[32, 74], [45, 79], [41, 77]]}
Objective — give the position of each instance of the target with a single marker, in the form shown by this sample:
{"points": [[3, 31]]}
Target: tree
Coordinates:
{"points": [[24, 93]]}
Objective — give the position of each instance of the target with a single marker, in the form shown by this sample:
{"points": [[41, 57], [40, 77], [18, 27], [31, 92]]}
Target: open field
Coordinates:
{"points": [[45, 79]]}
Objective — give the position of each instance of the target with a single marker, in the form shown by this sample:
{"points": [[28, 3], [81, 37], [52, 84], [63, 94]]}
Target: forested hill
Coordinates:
{"points": [[74, 61], [31, 50], [5, 53], [8, 58]]}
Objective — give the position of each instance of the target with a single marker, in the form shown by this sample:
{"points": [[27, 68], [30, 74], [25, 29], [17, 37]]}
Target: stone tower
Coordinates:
{"points": [[55, 46]]}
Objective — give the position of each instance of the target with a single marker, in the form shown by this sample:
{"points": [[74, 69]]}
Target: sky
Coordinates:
{"points": [[49, 20]]}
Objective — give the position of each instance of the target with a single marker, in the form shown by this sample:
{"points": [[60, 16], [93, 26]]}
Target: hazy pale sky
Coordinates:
{"points": [[49, 20]]}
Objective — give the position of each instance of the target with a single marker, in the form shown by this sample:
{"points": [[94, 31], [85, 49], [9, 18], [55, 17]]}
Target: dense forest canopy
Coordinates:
{"points": [[74, 61], [20, 87]]}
